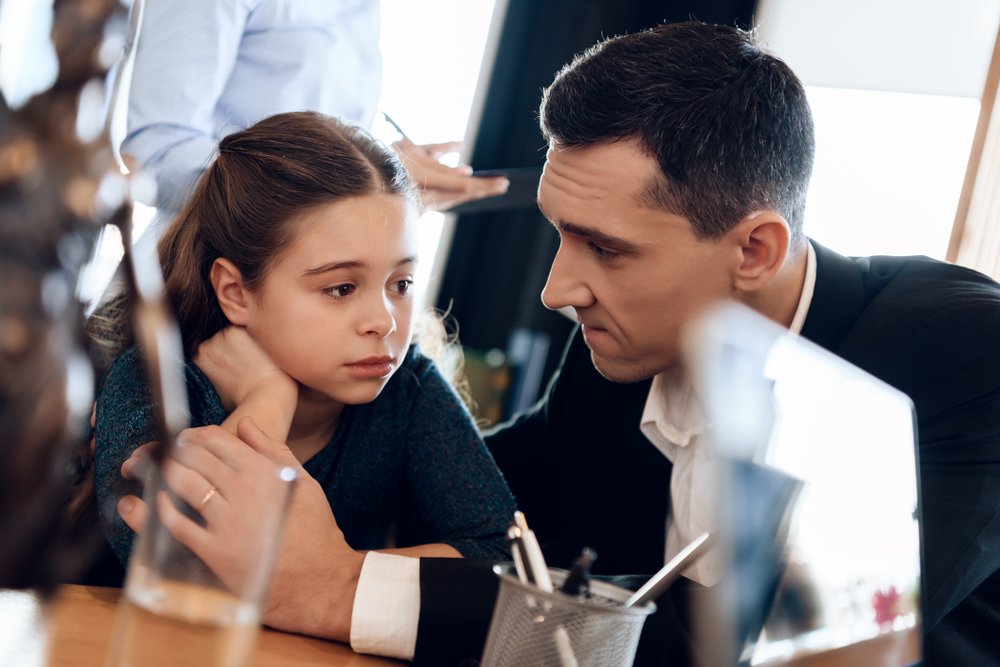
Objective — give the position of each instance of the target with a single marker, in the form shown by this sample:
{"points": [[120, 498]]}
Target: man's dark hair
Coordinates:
{"points": [[727, 122]]}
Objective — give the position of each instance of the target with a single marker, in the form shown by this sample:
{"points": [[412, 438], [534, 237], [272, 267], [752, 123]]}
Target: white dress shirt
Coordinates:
{"points": [[387, 603], [387, 606], [206, 68], [674, 422]]}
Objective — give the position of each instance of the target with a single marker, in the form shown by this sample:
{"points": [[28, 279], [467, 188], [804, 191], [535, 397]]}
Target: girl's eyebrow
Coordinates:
{"points": [[351, 264]]}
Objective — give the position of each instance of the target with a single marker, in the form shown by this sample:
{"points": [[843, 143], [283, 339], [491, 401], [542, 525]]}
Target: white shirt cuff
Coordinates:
{"points": [[387, 606]]}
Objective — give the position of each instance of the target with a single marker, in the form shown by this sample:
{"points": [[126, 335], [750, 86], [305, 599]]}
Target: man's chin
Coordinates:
{"points": [[622, 372]]}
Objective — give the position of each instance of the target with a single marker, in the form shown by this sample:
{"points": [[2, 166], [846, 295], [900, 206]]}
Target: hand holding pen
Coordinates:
{"points": [[441, 186]]}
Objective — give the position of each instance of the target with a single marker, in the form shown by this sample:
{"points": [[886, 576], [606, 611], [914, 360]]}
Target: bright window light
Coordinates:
{"points": [[432, 52], [889, 170]]}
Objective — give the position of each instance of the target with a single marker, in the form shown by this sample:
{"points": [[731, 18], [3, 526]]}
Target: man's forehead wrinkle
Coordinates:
{"points": [[580, 181]]}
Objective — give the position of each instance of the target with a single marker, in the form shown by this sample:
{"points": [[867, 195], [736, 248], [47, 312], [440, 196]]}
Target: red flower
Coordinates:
{"points": [[885, 603]]}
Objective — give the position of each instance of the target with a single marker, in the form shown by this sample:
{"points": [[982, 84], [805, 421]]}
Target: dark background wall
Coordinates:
{"points": [[499, 260]]}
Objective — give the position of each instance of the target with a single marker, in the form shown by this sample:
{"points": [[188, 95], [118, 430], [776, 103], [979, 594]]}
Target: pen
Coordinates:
{"points": [[660, 582], [395, 126], [517, 552], [537, 569], [580, 572], [540, 573]]}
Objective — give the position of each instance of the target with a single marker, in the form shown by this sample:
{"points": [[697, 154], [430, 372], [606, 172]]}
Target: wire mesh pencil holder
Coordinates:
{"points": [[530, 627]]}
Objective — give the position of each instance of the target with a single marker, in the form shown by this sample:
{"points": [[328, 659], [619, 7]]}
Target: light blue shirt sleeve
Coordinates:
{"points": [[206, 68], [184, 55]]}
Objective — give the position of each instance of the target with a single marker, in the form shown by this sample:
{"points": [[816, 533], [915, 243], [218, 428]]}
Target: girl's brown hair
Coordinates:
{"points": [[243, 209]]}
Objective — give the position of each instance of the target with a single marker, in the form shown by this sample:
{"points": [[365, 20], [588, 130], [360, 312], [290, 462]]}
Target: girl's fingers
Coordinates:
{"points": [[274, 450]]}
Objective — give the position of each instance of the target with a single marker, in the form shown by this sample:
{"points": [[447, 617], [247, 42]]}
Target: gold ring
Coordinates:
{"points": [[208, 496]]}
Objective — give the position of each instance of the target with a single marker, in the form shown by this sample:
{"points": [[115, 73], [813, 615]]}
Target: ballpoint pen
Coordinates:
{"points": [[517, 552], [395, 126], [579, 573], [659, 582], [539, 572]]}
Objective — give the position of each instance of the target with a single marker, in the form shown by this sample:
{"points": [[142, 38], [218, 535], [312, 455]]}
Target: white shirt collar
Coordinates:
{"points": [[672, 416], [808, 287], [673, 421]]}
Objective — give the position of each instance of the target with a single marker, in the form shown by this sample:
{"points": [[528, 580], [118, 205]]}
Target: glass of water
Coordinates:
{"points": [[175, 610]]}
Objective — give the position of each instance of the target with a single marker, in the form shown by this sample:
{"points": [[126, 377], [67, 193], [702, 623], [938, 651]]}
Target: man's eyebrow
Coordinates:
{"points": [[350, 264], [600, 238]]}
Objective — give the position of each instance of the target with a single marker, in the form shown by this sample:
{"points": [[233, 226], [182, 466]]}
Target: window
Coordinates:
{"points": [[895, 89]]}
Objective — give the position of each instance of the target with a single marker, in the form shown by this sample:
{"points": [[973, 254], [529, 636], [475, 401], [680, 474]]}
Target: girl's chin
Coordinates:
{"points": [[355, 395]]}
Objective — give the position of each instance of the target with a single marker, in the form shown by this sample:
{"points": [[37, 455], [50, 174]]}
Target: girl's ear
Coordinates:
{"points": [[233, 297]]}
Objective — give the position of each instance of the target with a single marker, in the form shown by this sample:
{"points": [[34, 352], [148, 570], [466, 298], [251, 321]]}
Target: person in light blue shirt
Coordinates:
{"points": [[204, 69]]}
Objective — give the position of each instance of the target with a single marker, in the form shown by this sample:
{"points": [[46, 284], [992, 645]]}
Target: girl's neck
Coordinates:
{"points": [[315, 422]]}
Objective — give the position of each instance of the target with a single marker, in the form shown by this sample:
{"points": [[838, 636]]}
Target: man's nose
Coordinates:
{"points": [[566, 286]]}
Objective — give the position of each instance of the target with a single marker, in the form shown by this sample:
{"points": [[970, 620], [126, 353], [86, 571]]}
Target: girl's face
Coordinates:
{"points": [[335, 310]]}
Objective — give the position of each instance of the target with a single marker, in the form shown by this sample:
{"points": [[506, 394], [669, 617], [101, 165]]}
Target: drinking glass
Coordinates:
{"points": [[175, 610]]}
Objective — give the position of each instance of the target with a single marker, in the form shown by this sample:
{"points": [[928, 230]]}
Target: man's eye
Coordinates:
{"points": [[602, 253], [339, 291]]}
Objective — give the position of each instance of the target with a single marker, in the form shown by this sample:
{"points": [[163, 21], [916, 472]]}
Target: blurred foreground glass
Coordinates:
{"points": [[175, 610], [817, 500]]}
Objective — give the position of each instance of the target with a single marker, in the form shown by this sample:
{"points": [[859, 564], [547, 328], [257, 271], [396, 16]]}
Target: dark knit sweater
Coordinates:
{"points": [[411, 461]]}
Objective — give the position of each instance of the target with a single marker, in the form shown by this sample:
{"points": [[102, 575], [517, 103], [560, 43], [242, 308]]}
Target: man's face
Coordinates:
{"points": [[634, 275]]}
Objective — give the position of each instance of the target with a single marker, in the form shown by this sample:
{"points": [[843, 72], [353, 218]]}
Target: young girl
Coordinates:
{"points": [[290, 273]]}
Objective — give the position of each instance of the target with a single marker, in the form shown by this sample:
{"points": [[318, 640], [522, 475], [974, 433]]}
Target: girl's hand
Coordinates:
{"points": [[248, 382], [239, 368]]}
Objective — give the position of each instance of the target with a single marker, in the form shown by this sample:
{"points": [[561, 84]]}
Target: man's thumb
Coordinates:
{"points": [[248, 431]]}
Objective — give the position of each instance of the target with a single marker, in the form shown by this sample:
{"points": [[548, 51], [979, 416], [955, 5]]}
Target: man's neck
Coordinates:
{"points": [[780, 298]]}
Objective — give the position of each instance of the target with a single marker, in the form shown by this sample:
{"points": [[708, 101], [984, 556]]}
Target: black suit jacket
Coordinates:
{"points": [[585, 475]]}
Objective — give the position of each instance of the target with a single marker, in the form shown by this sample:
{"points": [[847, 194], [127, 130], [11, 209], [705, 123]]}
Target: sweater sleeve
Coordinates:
{"points": [[460, 498], [124, 421]]}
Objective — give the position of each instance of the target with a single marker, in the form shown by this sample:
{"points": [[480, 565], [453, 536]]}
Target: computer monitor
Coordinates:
{"points": [[818, 501]]}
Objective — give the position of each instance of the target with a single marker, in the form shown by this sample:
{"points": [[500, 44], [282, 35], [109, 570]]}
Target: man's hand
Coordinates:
{"points": [[316, 574], [441, 186]]}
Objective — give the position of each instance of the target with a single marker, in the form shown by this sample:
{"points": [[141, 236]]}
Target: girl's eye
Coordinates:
{"points": [[602, 253], [402, 287], [339, 291]]}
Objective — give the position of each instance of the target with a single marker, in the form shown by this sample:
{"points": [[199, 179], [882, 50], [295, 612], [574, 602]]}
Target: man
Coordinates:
{"points": [[676, 176]]}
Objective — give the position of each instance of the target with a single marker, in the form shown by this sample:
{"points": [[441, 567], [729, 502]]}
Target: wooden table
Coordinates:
{"points": [[75, 630]]}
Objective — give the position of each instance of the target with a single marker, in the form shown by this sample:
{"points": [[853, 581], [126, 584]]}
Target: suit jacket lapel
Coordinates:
{"points": [[838, 298]]}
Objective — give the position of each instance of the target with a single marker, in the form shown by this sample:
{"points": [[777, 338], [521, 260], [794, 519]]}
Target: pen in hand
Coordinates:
{"points": [[396, 127]]}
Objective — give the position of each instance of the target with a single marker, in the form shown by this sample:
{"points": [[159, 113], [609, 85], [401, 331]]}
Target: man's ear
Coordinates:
{"points": [[233, 296], [764, 238]]}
